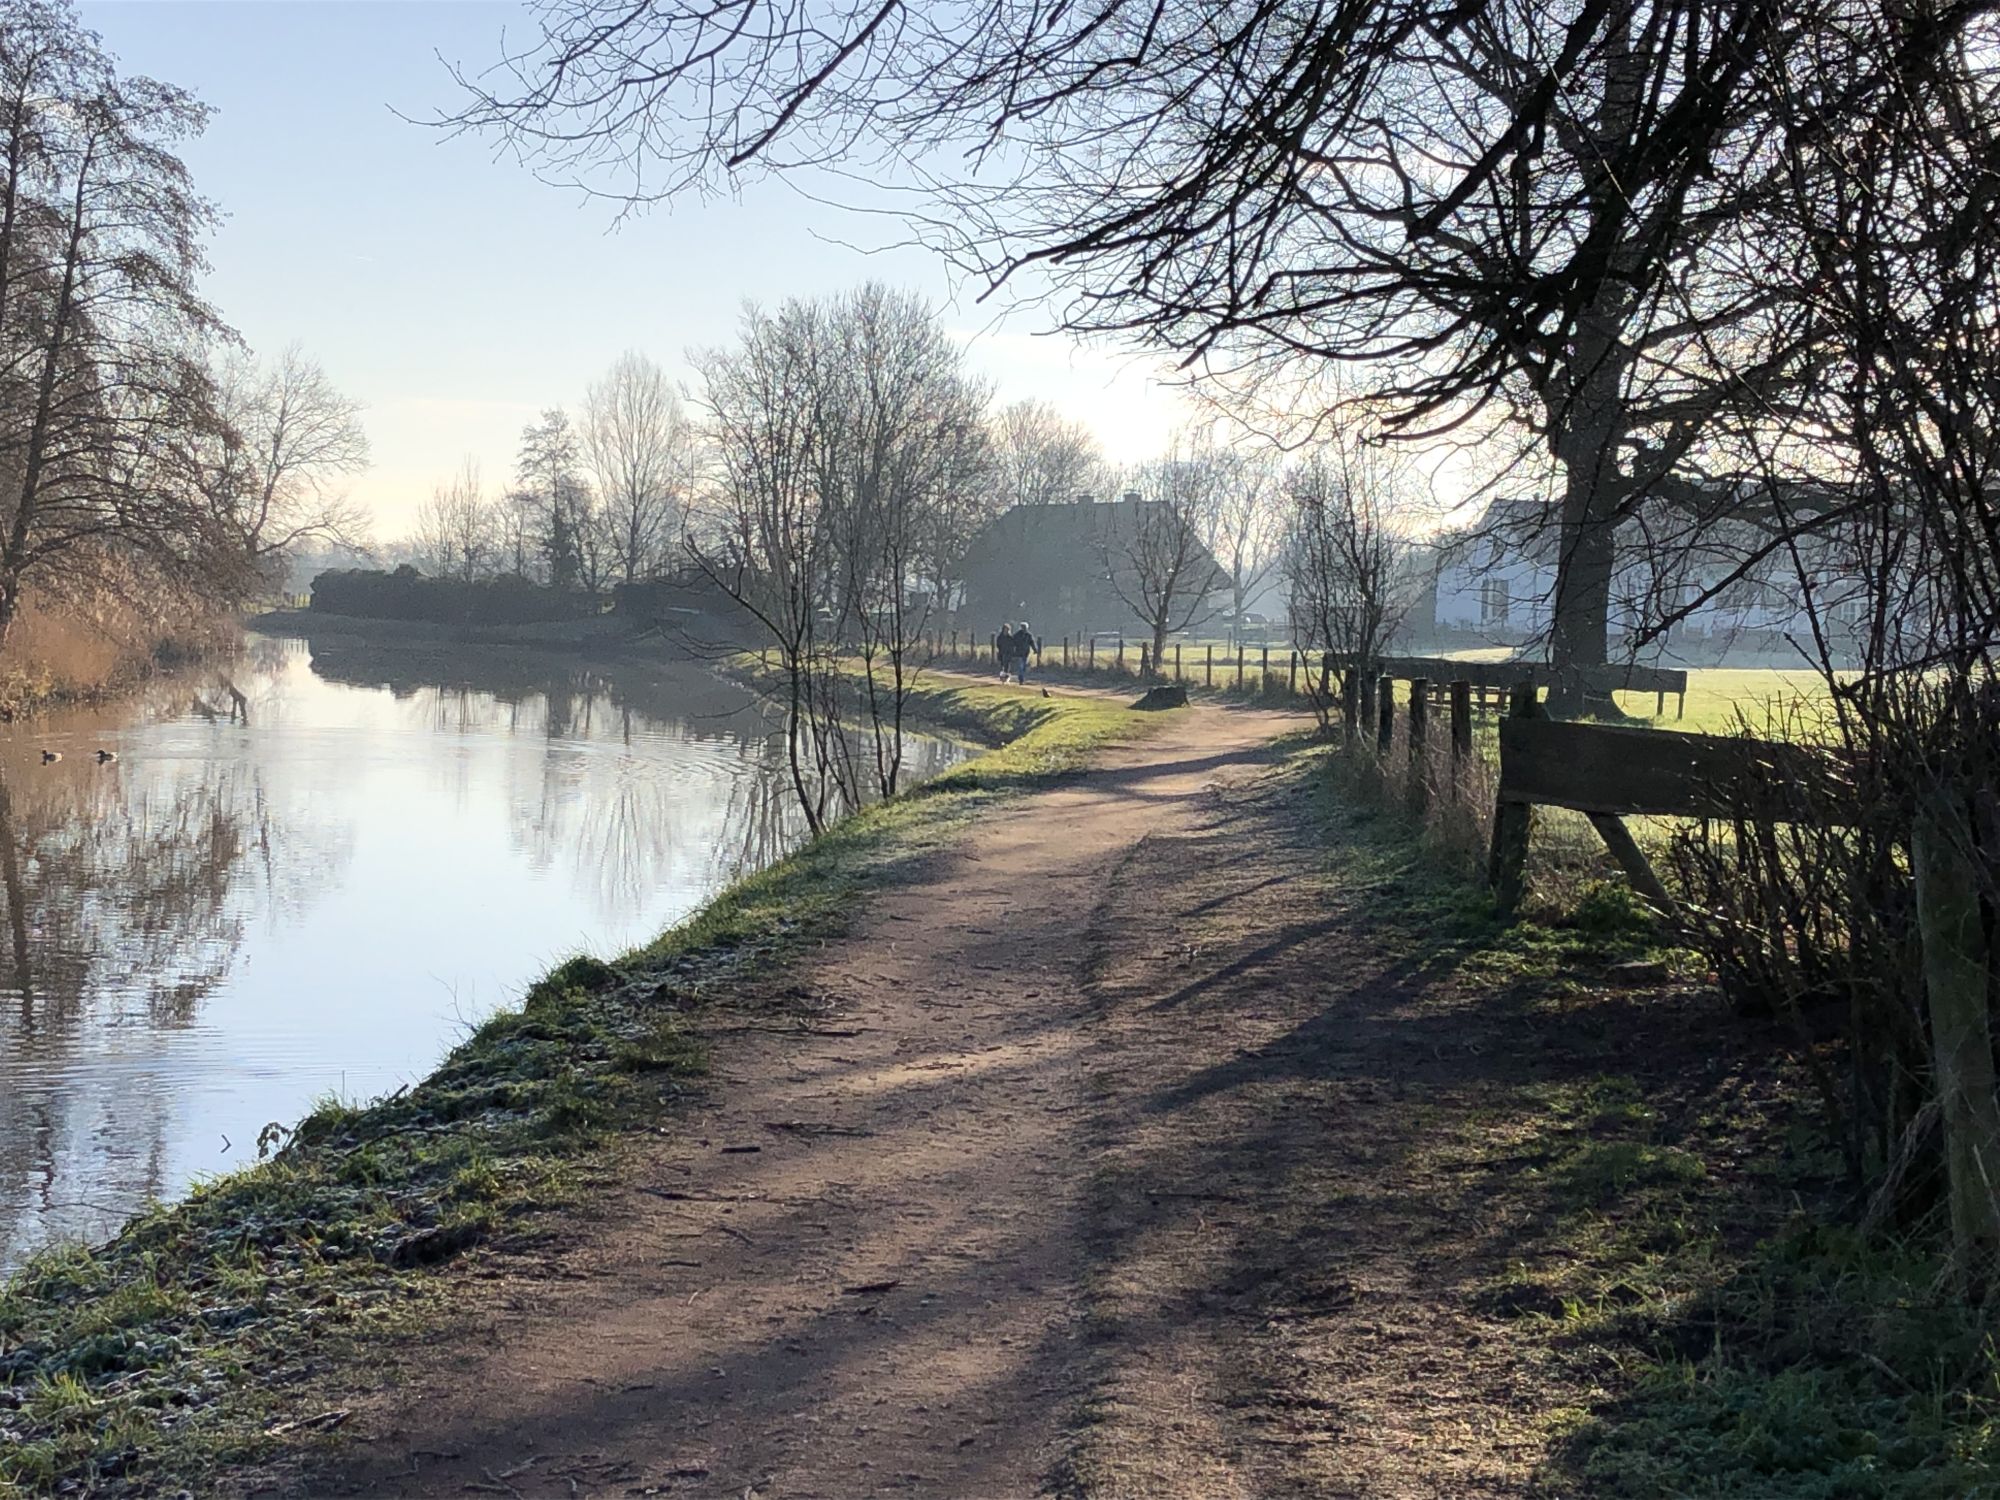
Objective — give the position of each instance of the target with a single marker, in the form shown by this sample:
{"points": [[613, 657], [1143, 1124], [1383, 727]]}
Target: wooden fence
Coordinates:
{"points": [[1608, 773], [1262, 668]]}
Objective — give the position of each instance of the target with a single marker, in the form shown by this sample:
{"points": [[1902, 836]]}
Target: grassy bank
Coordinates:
{"points": [[1686, 1249], [213, 1327]]}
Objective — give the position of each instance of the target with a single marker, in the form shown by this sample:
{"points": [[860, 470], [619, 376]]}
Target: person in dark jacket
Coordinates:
{"points": [[1025, 645]]}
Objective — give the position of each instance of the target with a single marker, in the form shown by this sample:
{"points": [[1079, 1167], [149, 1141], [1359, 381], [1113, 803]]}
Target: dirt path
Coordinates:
{"points": [[1100, 1177], [857, 1269]]}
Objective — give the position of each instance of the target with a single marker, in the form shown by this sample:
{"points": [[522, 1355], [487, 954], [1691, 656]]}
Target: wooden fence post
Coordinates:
{"points": [[1264, 671], [1208, 667], [1419, 788], [1065, 653], [1385, 715], [1292, 676], [1121, 653], [1239, 666], [1957, 971], [1364, 693], [1092, 663], [1177, 661], [1461, 728], [1513, 824], [954, 645]]}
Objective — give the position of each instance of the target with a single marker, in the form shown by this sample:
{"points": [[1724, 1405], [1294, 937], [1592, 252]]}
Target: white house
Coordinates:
{"points": [[1494, 580]]}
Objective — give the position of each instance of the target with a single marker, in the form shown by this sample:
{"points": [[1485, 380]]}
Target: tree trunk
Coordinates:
{"points": [[1580, 630], [1586, 447], [1957, 964]]}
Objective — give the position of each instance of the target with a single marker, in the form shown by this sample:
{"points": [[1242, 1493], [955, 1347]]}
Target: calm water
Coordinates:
{"points": [[232, 919]]}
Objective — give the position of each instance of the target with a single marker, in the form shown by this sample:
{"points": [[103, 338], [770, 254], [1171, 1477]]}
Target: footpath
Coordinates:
{"points": [[1088, 1171]]}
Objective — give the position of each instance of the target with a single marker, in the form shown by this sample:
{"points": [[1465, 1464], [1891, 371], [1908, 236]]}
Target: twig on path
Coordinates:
{"points": [[814, 1127], [870, 1288], [682, 1195], [331, 1418]]}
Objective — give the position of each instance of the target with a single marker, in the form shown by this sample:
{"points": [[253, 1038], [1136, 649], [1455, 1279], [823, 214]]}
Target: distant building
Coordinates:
{"points": [[1052, 565], [1493, 582]]}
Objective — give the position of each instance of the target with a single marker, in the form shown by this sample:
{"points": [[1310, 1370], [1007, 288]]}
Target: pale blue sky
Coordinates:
{"points": [[453, 294]]}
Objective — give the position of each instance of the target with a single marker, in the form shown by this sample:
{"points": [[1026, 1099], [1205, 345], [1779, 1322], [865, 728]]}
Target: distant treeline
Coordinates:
{"points": [[509, 599], [406, 594]]}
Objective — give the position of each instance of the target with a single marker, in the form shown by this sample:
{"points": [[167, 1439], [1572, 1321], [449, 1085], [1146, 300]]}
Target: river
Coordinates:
{"points": [[243, 912]]}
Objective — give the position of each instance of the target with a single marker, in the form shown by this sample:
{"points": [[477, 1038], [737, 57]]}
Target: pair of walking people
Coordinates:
{"points": [[1012, 646]]}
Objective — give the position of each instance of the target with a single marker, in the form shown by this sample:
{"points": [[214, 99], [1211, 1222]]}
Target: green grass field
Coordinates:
{"points": [[1721, 699]]}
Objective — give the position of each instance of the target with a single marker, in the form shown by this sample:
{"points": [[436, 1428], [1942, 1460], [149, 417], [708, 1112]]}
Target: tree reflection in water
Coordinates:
{"points": [[236, 916], [126, 892]]}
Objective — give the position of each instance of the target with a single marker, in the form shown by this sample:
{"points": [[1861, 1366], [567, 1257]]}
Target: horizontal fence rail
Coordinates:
{"points": [[1602, 768], [1308, 674]]}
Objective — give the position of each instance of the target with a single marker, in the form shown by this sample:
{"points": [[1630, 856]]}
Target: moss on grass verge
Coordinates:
{"points": [[151, 1360], [1686, 1240]]}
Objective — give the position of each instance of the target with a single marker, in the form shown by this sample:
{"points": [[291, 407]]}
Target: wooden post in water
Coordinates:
{"points": [[1419, 787], [1385, 715], [1957, 972], [1513, 823], [1461, 729]]}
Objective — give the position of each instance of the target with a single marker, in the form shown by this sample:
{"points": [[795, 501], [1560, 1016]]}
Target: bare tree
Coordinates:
{"points": [[1878, 503], [1153, 542], [272, 465], [638, 443], [1246, 523], [1341, 556], [1545, 211], [1041, 457], [901, 424], [554, 501], [765, 541], [101, 327], [841, 429], [455, 532]]}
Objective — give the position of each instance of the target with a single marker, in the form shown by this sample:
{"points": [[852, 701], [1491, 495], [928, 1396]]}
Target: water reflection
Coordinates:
{"points": [[311, 875]]}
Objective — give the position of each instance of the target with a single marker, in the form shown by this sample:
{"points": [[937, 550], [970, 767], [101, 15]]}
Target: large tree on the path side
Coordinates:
{"points": [[1536, 208]]}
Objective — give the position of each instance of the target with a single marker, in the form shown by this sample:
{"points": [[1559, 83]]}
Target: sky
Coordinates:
{"points": [[456, 297]]}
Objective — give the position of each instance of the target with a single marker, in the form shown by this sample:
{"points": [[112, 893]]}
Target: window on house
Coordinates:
{"points": [[1493, 601]]}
